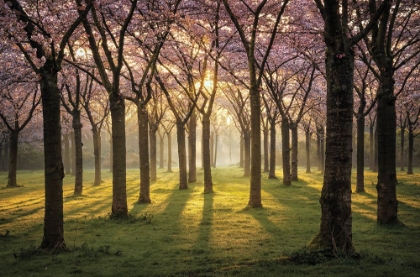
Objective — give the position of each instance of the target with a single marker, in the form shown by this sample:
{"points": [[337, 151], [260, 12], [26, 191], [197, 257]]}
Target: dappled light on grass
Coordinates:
{"points": [[187, 232]]}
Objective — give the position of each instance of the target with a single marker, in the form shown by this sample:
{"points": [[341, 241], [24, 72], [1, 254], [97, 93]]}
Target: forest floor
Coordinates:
{"points": [[189, 233]]}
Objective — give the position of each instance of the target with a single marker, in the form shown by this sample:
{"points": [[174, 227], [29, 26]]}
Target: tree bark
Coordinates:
{"points": [[153, 153], [247, 154], [73, 153], [308, 149], [53, 237], [285, 140], [241, 151], [402, 158], [208, 182], [78, 151], [169, 152], [294, 130], [182, 156], [97, 146], [272, 170], [161, 150], [265, 145], [360, 179], [410, 148], [119, 194], [143, 119], [371, 146], [13, 152], [192, 148], [67, 153]]}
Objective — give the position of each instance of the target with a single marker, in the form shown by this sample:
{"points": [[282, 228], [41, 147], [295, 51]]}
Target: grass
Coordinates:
{"points": [[189, 233]]}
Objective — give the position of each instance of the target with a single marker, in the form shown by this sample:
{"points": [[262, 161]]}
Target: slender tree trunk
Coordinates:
{"points": [[241, 151], [265, 143], [371, 147], [153, 152], [360, 183], [1, 156], [216, 144], [387, 177], [354, 146], [67, 153], [143, 119], [208, 182], [247, 154], [402, 158], [211, 148], [111, 155], [192, 148], [13, 152], [182, 155], [119, 164], [410, 149], [78, 146], [161, 150], [308, 149], [73, 153], [53, 237], [169, 152], [294, 130], [272, 172], [97, 155], [285, 140]]}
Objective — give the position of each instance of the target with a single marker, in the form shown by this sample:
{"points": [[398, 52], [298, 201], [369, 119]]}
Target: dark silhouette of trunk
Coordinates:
{"points": [[212, 149], [410, 149], [78, 152], [241, 151], [111, 155], [153, 152], [97, 150], [73, 153], [208, 182], [161, 149], [402, 157], [182, 155], [360, 125], [53, 237], [285, 141], [308, 148], [13, 152], [375, 150], [272, 169], [265, 145], [320, 147], [247, 154], [371, 146], [143, 129], [192, 148], [1, 155], [67, 161], [294, 130], [169, 152], [354, 146], [216, 143]]}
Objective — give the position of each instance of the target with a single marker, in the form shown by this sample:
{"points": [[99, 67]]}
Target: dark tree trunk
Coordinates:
{"points": [[67, 159], [375, 152], [371, 147], [13, 152], [97, 145], [153, 154], [360, 183], [247, 154], [182, 155], [169, 152], [119, 193], [143, 119], [241, 151], [192, 148], [73, 153], [387, 177], [335, 232], [308, 149], [265, 143], [161, 150], [294, 130], [111, 155], [78, 150], [53, 237], [285, 140], [216, 143], [410, 149], [1, 156], [320, 135], [354, 146], [211, 148], [402, 158], [208, 182], [272, 170]]}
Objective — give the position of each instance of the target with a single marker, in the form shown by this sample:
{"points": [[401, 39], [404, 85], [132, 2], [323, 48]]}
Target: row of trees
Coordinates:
{"points": [[259, 60]]}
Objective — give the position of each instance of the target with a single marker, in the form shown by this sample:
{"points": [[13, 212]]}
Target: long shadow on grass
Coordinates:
{"points": [[204, 233]]}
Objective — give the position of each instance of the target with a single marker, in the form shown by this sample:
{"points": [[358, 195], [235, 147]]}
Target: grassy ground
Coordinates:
{"points": [[188, 233]]}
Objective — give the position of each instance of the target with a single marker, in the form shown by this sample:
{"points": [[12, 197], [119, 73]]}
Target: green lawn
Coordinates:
{"points": [[188, 233]]}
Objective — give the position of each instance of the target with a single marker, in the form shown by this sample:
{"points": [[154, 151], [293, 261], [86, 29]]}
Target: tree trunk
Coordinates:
{"points": [[143, 119], [375, 152], [182, 155], [78, 145], [247, 154], [208, 182], [97, 145], [265, 143], [272, 172], [354, 146], [335, 232], [119, 193], [371, 147], [153, 154], [241, 151], [308, 149], [13, 152], [73, 153], [211, 148], [410, 149], [169, 152], [216, 144], [111, 155], [285, 140], [53, 237], [192, 148], [387, 177], [294, 130], [1, 156], [161, 150], [360, 183], [402, 158], [67, 153]]}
